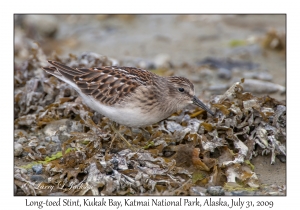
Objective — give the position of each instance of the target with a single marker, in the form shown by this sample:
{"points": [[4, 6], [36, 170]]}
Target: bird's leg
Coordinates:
{"points": [[116, 131], [146, 133], [112, 140]]}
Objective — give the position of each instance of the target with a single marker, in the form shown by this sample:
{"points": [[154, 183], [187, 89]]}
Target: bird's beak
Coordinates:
{"points": [[197, 102]]}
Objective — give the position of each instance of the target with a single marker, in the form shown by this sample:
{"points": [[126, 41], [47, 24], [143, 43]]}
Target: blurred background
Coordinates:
{"points": [[211, 50]]}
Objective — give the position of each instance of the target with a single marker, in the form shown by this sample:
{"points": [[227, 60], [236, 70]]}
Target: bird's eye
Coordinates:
{"points": [[181, 89]]}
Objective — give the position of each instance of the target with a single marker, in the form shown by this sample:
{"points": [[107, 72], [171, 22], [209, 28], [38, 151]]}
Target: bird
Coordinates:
{"points": [[129, 96]]}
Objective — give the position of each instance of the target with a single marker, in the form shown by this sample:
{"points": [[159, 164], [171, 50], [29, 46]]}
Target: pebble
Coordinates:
{"points": [[246, 50], [218, 88], [144, 64], [38, 169], [47, 138], [37, 178], [215, 190], [224, 73], [194, 191], [258, 86], [45, 25], [55, 139], [162, 61], [21, 140], [18, 149], [258, 75], [227, 63], [204, 73]]}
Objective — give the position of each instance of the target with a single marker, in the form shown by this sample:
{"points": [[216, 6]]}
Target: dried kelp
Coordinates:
{"points": [[81, 155]]}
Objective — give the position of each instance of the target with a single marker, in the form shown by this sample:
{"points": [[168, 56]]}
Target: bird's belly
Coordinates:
{"points": [[128, 115]]}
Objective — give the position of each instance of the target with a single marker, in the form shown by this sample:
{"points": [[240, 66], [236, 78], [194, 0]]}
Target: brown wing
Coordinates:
{"points": [[109, 85]]}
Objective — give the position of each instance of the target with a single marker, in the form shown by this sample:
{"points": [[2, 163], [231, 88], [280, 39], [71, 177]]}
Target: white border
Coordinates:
{"points": [[137, 6]]}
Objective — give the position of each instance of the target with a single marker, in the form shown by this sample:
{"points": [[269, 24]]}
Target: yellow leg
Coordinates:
{"points": [[116, 131]]}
